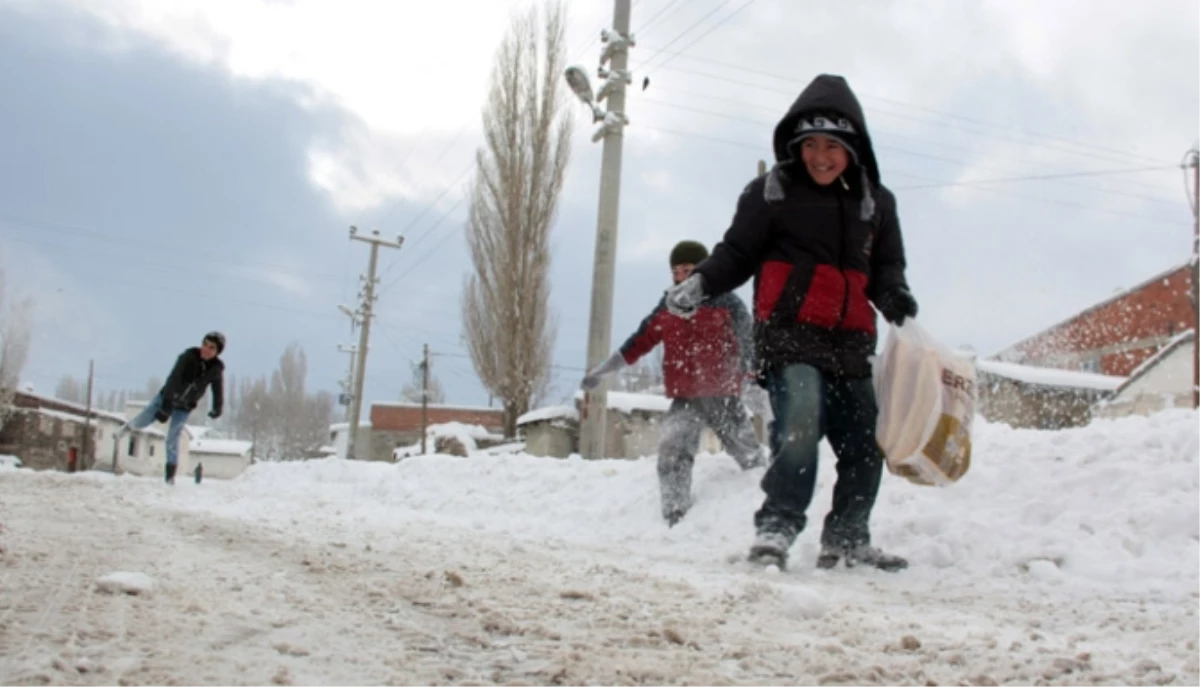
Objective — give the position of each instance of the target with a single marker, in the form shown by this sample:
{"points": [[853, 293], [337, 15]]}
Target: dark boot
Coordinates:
{"points": [[862, 554], [770, 548], [170, 473]]}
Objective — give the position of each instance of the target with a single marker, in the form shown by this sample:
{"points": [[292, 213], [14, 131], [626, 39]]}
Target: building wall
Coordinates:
{"points": [[219, 465], [1116, 336], [406, 417], [550, 439], [1166, 385], [145, 453], [42, 442], [1027, 406]]}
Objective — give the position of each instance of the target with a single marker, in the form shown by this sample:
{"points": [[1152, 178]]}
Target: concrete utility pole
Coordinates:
{"points": [[424, 398], [347, 383], [616, 48], [365, 311], [1194, 165], [86, 460]]}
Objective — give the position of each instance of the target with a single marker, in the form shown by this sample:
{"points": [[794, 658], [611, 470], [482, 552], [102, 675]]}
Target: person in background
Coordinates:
{"points": [[196, 369], [706, 358]]}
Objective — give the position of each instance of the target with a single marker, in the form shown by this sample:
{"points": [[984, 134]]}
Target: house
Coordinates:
{"points": [[1025, 396], [396, 424], [1116, 335], [1163, 381], [144, 451], [339, 437], [221, 458], [51, 434], [633, 427], [551, 432]]}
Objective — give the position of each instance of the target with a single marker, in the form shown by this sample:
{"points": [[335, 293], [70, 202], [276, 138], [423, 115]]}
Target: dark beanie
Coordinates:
{"points": [[688, 253]]}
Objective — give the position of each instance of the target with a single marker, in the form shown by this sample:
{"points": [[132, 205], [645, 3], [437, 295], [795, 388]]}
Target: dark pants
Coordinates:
{"points": [[809, 405], [680, 439]]}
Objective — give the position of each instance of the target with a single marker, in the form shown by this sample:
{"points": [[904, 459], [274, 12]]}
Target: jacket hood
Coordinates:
{"points": [[828, 93]]}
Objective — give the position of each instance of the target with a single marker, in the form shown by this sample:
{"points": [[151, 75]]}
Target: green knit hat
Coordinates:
{"points": [[688, 253]]}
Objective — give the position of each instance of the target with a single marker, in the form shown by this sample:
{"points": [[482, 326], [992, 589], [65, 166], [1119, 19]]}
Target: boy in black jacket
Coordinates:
{"points": [[195, 370]]}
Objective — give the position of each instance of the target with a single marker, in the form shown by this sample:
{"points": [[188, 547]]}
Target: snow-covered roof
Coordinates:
{"points": [[223, 447], [548, 413], [435, 406], [628, 402], [343, 426], [77, 409], [458, 429], [1044, 376]]}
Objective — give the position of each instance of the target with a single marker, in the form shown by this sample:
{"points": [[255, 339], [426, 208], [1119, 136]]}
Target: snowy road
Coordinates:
{"points": [[432, 571]]}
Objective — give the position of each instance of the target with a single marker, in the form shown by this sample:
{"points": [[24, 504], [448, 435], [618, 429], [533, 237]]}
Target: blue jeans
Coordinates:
{"points": [[809, 405], [174, 427]]}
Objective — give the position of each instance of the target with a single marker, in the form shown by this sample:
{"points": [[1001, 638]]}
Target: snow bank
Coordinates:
{"points": [[1110, 508]]}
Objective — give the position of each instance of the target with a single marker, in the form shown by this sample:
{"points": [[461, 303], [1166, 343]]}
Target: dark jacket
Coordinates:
{"points": [[188, 380], [706, 355], [819, 255]]}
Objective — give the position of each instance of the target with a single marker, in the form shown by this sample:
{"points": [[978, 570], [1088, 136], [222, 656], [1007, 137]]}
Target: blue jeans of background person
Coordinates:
{"points": [[175, 425], [809, 405]]}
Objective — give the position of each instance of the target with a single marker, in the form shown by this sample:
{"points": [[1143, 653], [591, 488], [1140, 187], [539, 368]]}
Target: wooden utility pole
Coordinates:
{"points": [[424, 398], [85, 461], [365, 311], [1194, 164]]}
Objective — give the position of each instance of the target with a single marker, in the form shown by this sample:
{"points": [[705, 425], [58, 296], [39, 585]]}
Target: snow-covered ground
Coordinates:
{"points": [[1066, 557]]}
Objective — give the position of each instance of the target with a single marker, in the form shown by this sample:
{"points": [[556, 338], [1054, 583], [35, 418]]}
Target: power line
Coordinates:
{"points": [[942, 113], [683, 33], [876, 112], [428, 207], [26, 223], [938, 158], [1052, 201], [704, 35], [659, 15]]}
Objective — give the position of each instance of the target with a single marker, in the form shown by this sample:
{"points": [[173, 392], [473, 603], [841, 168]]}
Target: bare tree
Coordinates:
{"points": [[412, 391], [514, 200], [284, 421], [71, 389], [16, 330]]}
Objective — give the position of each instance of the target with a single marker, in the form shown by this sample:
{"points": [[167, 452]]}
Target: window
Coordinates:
{"points": [[132, 446], [1092, 365], [151, 450]]}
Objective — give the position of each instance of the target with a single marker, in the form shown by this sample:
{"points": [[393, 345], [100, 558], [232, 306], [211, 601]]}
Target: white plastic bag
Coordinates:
{"points": [[926, 400]]}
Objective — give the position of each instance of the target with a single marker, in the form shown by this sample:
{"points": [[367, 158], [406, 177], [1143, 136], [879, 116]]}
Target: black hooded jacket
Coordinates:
{"points": [[818, 255], [188, 380]]}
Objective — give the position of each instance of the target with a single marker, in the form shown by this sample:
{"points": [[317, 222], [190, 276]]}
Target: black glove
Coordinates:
{"points": [[214, 413], [162, 415], [896, 304]]}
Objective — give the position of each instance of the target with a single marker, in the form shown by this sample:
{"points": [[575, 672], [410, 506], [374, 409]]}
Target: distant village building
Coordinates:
{"points": [[397, 424], [632, 427], [1080, 367], [1028, 397], [1162, 382], [221, 458], [1117, 334], [49, 434]]}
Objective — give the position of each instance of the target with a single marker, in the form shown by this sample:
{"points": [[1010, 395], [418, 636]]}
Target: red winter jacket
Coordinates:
{"points": [[706, 355]]}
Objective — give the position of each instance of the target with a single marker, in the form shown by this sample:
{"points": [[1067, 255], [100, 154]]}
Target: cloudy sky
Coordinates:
{"points": [[167, 168]]}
